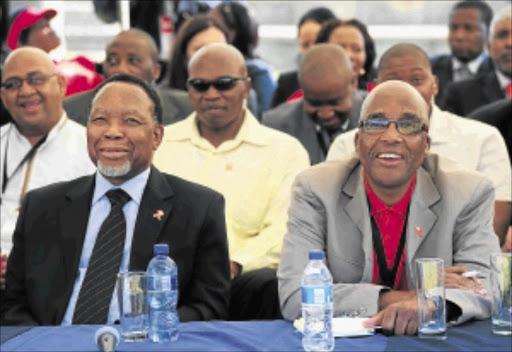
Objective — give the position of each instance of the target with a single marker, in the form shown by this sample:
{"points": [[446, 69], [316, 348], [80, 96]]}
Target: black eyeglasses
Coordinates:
{"points": [[33, 78], [406, 126], [221, 83]]}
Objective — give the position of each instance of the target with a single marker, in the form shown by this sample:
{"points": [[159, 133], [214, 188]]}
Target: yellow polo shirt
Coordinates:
{"points": [[254, 172]]}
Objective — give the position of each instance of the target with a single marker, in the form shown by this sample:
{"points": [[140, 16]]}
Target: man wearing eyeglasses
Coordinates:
{"points": [[331, 102], [222, 146], [42, 145], [475, 145], [377, 211]]}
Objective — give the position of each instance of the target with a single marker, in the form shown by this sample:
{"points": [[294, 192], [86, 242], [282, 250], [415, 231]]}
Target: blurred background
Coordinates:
{"points": [[421, 22]]}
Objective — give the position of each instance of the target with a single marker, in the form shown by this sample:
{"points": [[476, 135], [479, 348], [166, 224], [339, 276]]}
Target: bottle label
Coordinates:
{"points": [[166, 283], [174, 282], [317, 294]]}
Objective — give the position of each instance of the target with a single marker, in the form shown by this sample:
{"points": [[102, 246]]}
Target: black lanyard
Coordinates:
{"points": [[26, 158], [387, 276]]}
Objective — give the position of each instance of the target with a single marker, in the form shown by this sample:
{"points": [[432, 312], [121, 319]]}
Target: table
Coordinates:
{"points": [[278, 335]]}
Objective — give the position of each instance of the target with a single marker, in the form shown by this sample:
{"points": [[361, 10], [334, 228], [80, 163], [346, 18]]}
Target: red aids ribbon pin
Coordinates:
{"points": [[158, 215]]}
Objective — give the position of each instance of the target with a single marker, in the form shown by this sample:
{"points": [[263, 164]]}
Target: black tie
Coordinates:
{"points": [[96, 292]]}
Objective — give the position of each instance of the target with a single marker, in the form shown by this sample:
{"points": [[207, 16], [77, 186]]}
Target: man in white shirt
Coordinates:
{"points": [[222, 146], [475, 145], [42, 146]]}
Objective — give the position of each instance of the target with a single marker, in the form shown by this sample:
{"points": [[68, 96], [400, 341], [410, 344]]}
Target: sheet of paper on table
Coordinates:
{"points": [[343, 327]]}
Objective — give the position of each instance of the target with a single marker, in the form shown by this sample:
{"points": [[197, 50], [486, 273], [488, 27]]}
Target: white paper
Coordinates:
{"points": [[342, 327]]}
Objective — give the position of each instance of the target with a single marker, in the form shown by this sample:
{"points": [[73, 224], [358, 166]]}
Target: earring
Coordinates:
{"points": [[362, 71]]}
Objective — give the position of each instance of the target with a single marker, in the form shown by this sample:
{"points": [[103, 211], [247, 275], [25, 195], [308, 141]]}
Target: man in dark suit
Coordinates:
{"points": [[468, 30], [61, 229], [133, 52], [463, 97], [331, 102]]}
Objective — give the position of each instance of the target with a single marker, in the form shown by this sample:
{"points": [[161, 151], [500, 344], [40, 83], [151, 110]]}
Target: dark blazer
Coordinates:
{"points": [[50, 232], [462, 97], [292, 119], [287, 84], [175, 105], [498, 115], [442, 67]]}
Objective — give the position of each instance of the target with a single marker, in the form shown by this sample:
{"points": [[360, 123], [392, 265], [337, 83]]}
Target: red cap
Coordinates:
{"points": [[25, 19]]}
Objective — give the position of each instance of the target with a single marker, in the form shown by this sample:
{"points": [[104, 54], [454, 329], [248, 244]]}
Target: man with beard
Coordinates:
{"points": [[331, 102], [468, 31], [73, 238], [463, 97]]}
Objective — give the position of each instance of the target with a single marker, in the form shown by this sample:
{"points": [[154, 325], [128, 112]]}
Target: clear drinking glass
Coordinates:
{"points": [[133, 307], [501, 264], [430, 292]]}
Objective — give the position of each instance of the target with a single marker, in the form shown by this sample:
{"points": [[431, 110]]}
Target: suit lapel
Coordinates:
{"points": [[421, 218], [491, 88], [154, 209], [357, 210], [74, 220]]}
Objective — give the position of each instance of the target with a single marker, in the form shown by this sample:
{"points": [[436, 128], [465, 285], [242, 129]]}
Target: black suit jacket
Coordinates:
{"points": [[462, 97], [50, 232], [442, 67], [291, 118], [287, 84], [175, 105]]}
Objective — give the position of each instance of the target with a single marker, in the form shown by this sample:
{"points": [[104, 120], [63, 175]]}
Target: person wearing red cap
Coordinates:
{"points": [[31, 27]]}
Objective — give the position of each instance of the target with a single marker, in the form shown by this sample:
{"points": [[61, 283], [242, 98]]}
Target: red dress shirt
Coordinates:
{"points": [[390, 222]]}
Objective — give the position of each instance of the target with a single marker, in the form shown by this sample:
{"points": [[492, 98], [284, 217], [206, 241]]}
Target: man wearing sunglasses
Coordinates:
{"points": [[331, 102], [376, 211], [475, 145], [133, 52], [222, 146], [42, 145]]}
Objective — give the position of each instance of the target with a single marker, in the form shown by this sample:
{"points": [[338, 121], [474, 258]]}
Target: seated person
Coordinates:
{"points": [[133, 52], [468, 30], [474, 145], [307, 31], [31, 27], [222, 146], [42, 145], [59, 241], [437, 207], [465, 96], [331, 102]]}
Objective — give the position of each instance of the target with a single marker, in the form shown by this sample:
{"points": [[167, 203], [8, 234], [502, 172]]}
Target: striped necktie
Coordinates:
{"points": [[97, 288]]}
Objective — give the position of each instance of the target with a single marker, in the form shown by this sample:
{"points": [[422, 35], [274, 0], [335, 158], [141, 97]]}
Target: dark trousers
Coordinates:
{"points": [[254, 296]]}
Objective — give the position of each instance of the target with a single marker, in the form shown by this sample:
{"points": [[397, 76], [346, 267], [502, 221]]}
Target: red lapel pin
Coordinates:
{"points": [[418, 231]]}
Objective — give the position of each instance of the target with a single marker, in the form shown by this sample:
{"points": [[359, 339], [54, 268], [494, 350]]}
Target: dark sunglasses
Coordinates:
{"points": [[34, 79], [221, 84], [406, 127]]}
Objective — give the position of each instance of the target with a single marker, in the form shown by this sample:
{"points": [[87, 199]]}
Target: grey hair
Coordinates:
{"points": [[502, 14]]}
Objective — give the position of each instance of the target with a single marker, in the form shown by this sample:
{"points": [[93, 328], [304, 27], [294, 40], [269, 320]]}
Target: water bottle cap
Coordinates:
{"points": [[161, 248], [316, 254]]}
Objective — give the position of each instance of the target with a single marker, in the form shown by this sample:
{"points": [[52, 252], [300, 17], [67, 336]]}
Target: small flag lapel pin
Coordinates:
{"points": [[418, 231], [158, 214]]}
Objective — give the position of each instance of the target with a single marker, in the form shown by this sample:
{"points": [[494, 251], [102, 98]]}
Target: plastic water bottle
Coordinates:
{"points": [[317, 304], [162, 276]]}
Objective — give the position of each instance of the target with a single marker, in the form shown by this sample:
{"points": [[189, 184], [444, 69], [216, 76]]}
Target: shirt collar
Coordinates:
{"points": [[472, 65], [134, 186], [250, 132], [377, 206], [502, 79]]}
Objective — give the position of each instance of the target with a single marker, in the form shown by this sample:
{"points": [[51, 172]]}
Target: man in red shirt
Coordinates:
{"points": [[376, 211]]}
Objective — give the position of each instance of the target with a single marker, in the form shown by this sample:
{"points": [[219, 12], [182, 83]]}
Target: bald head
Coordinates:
{"points": [[402, 50], [324, 62], [396, 93], [29, 52], [140, 35], [221, 54]]}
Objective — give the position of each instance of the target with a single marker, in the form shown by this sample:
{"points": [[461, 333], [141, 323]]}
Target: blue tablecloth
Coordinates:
{"points": [[255, 336]]}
